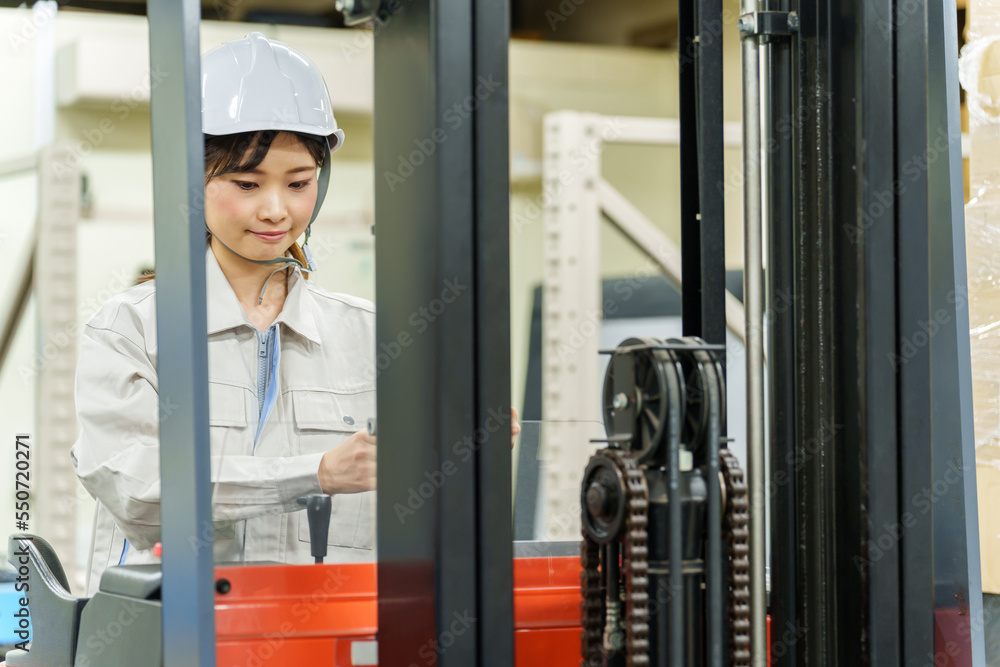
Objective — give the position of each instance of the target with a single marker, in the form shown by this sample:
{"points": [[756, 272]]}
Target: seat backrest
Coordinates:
{"points": [[54, 611], [45, 552]]}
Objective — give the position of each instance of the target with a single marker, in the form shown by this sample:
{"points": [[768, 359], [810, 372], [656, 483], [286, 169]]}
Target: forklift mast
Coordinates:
{"points": [[862, 231]]}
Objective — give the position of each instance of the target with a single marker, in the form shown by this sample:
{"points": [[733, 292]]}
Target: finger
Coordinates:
{"points": [[367, 437]]}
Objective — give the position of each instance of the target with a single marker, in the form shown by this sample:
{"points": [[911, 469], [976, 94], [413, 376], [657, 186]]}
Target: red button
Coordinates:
{"points": [[158, 550]]}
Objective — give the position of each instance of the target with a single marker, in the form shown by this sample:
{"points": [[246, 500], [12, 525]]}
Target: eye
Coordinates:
{"points": [[245, 185], [299, 185]]}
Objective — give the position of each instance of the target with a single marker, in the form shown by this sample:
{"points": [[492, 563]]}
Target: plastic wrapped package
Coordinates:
{"points": [[979, 73]]}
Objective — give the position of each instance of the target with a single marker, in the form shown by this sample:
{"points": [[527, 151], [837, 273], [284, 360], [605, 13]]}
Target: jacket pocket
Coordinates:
{"points": [[324, 420], [226, 405], [228, 430], [329, 411]]}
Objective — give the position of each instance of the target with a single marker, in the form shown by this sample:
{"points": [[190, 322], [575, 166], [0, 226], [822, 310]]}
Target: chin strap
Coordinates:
{"points": [[322, 185], [284, 261]]}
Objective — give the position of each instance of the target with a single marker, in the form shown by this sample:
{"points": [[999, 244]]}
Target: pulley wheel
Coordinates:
{"points": [[603, 500], [646, 392], [701, 372]]}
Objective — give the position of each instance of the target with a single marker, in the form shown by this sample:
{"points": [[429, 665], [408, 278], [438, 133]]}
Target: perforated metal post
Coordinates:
{"points": [[54, 515], [571, 314]]}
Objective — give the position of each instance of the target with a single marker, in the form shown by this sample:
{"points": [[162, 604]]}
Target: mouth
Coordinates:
{"points": [[270, 236]]}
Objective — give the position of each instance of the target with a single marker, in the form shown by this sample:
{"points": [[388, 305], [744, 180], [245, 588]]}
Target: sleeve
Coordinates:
{"points": [[117, 455]]}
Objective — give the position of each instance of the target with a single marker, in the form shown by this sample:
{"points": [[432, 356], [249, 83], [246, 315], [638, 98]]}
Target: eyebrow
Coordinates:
{"points": [[257, 170]]}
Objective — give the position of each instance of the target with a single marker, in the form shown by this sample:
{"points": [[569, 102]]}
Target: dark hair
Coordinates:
{"points": [[236, 153]]}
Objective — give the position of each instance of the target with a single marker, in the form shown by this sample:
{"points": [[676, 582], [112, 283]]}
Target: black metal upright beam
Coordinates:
{"points": [[492, 255], [957, 578], [703, 238], [871, 424], [783, 358], [181, 325], [442, 291], [883, 388], [802, 528], [853, 601], [691, 292], [913, 366], [838, 477]]}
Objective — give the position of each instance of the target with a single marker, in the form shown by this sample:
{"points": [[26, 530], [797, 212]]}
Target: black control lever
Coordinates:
{"points": [[318, 510]]}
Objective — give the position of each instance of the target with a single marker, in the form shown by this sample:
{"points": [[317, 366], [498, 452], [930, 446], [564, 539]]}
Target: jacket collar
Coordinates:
{"points": [[225, 311]]}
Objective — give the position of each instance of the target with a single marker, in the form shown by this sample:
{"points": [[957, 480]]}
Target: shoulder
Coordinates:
{"points": [[345, 362], [131, 313], [340, 305]]}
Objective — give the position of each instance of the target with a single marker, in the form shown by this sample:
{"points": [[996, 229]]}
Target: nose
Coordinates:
{"points": [[272, 206]]}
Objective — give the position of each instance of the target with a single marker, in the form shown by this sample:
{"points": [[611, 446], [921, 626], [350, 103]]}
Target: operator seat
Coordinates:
{"points": [[55, 612], [118, 627]]}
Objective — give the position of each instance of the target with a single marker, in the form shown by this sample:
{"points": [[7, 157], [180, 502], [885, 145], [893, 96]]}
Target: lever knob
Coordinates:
{"points": [[318, 507]]}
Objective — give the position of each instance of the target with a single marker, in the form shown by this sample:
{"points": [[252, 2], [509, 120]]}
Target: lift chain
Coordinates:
{"points": [[634, 566], [592, 606], [737, 533]]}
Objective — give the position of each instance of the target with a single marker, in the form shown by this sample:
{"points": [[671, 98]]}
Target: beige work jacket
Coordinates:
{"points": [[326, 392]]}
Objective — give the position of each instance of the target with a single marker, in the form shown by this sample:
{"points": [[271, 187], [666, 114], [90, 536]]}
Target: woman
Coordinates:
{"points": [[291, 366]]}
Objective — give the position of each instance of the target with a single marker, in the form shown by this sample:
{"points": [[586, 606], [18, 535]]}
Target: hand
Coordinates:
{"points": [[515, 427], [350, 466]]}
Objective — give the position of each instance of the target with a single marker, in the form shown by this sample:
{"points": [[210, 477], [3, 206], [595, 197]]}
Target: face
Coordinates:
{"points": [[260, 213]]}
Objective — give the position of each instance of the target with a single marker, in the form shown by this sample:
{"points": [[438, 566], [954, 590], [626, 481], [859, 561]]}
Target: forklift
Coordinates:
{"points": [[671, 567]]}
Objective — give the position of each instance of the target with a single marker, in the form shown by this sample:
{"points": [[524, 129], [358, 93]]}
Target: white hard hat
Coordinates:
{"points": [[256, 83]]}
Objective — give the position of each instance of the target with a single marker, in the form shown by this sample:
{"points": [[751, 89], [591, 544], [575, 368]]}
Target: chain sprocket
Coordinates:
{"points": [[634, 567]]}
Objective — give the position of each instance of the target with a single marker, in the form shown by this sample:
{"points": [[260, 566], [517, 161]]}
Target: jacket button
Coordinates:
{"points": [[348, 419]]}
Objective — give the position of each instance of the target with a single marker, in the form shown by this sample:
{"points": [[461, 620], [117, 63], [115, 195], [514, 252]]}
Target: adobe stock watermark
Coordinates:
{"points": [[911, 171], [904, 11], [781, 302], [41, 15], [433, 648], [783, 128], [923, 502], [454, 117], [420, 320], [264, 651], [562, 13], [102, 638], [592, 149], [802, 455], [21, 619], [910, 345], [147, 431], [589, 325], [709, 31], [463, 450], [58, 340], [554, 185], [364, 39], [122, 107]]}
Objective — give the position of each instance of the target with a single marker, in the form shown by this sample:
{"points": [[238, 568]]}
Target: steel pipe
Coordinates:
{"points": [[753, 302]]}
